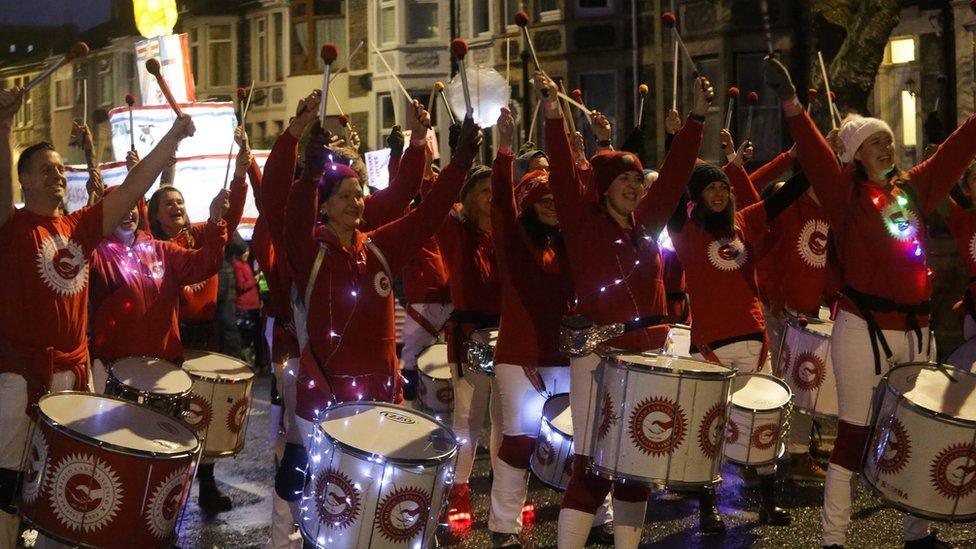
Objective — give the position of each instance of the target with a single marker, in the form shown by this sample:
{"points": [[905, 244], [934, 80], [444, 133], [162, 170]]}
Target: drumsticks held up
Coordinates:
{"points": [[79, 50], [153, 68], [130, 100], [642, 90], [329, 54], [830, 100], [459, 48], [733, 95], [439, 90]]}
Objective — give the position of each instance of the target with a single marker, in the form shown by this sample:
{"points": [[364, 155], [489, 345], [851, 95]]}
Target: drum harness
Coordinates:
{"points": [[868, 304]]}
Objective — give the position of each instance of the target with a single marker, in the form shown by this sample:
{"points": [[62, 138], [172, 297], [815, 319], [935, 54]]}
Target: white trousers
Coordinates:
{"points": [[853, 359], [415, 336], [475, 399]]}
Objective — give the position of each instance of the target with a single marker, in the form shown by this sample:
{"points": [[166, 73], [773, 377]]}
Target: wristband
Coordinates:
{"points": [[697, 117], [603, 143]]}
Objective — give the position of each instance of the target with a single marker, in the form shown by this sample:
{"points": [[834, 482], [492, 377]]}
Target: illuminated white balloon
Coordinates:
{"points": [[489, 93]]}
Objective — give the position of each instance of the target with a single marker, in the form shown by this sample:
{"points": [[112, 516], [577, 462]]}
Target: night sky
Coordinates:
{"points": [[84, 13]]}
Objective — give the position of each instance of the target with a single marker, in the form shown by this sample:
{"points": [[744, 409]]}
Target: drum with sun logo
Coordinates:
{"points": [[804, 364], [552, 460], [435, 389], [481, 351], [755, 433], [378, 477], [659, 419], [922, 451], [152, 382], [219, 401], [105, 472]]}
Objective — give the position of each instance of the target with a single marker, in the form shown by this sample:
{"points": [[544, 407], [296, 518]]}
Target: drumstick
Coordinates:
{"points": [[433, 95], [439, 88], [344, 122], [753, 100], [393, 74], [328, 54], [567, 114], [733, 95], [811, 97], [131, 100], [79, 50], [579, 106], [153, 68], [84, 102], [830, 101], [642, 90], [459, 48], [349, 57], [578, 96], [669, 20]]}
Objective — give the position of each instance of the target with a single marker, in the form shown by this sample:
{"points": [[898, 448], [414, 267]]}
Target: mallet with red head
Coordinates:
{"points": [[812, 94], [130, 100], [439, 90], [459, 48], [642, 90], [733, 95], [153, 68], [79, 50], [329, 54]]}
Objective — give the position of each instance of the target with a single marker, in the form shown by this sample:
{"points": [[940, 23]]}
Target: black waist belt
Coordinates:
{"points": [[479, 320], [644, 322], [868, 304]]}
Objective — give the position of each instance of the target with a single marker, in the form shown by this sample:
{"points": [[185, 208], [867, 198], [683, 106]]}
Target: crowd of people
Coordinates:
{"points": [[516, 244]]}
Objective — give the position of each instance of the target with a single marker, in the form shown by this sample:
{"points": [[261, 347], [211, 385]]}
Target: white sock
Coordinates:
{"points": [[628, 523], [836, 513], [573, 529], [914, 528], [508, 488]]}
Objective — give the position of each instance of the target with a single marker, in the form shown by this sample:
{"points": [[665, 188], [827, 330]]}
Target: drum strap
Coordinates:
{"points": [[644, 322], [422, 321], [868, 304]]}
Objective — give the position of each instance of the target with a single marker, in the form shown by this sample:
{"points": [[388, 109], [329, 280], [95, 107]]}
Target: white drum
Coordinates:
{"points": [[804, 364], [679, 340], [964, 357], [435, 391], [758, 419], [378, 477], [481, 351], [922, 454], [220, 402], [659, 419], [552, 460], [152, 382]]}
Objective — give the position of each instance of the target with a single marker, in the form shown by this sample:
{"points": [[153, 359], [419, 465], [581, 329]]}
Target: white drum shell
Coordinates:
{"points": [[552, 459], [435, 391], [654, 426], [757, 424], [805, 365], [220, 401]]}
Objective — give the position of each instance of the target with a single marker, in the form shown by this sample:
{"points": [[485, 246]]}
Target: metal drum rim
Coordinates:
{"points": [[789, 392], [549, 422], [914, 511], [613, 356], [110, 371], [902, 400], [197, 375]]}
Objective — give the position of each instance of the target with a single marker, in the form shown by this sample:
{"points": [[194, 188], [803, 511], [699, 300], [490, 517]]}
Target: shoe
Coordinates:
{"points": [[211, 500], [601, 534], [709, 520], [930, 541], [459, 506], [499, 539], [749, 475], [803, 468], [769, 513]]}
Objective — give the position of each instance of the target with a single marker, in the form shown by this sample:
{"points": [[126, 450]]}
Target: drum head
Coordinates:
{"points": [[117, 423], [216, 366], [151, 375], [928, 388], [557, 412], [433, 362], [487, 336], [964, 356], [393, 432], [673, 363], [759, 392]]}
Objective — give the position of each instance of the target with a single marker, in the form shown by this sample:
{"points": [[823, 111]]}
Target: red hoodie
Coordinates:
{"points": [[425, 276], [962, 224]]}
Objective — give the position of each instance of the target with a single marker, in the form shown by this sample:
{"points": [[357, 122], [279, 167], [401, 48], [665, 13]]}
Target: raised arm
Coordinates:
{"points": [[743, 188], [567, 189], [765, 174], [503, 209], [300, 211], [191, 266], [933, 178], [238, 190], [392, 202], [116, 205]]}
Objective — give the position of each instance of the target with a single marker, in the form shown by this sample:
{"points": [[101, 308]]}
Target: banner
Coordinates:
{"points": [[378, 162], [173, 53], [198, 178], [214, 122]]}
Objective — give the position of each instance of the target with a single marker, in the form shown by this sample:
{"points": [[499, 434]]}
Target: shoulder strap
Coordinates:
{"points": [[314, 273], [379, 255]]}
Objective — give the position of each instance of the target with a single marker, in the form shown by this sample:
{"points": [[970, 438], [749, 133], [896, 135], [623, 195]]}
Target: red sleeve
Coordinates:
{"points": [[261, 244], [752, 219], [279, 173], [256, 177], [933, 178], [89, 231], [394, 166], [391, 203], [503, 208], [828, 179], [402, 239], [742, 187], [567, 189], [238, 195], [765, 174], [657, 207], [300, 214], [197, 265], [957, 219]]}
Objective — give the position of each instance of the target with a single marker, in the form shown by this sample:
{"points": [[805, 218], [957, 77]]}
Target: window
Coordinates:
{"points": [[600, 94], [220, 59], [194, 38], [593, 7], [25, 115], [908, 116], [388, 24], [279, 46], [480, 17], [901, 50], [63, 95], [314, 23], [509, 9], [106, 82], [387, 111], [546, 10], [261, 45], [422, 24]]}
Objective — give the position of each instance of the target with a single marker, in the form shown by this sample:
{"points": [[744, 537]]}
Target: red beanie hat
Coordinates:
{"points": [[608, 165], [534, 185], [332, 177]]}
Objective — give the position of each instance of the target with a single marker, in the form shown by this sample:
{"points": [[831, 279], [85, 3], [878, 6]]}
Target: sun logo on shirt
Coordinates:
{"points": [[61, 263], [812, 243], [901, 223], [727, 254], [381, 283], [972, 248]]}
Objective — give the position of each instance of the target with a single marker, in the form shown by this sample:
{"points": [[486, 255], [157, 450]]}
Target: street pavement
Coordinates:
{"points": [[672, 519]]}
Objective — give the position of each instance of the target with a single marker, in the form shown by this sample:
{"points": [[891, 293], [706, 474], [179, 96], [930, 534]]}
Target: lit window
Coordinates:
{"points": [[902, 50], [220, 55], [908, 118]]}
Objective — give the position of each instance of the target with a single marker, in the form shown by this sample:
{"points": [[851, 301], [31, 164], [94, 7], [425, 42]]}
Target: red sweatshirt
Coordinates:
{"points": [[962, 224], [351, 350], [248, 298], [198, 302], [44, 292], [875, 236], [536, 288], [135, 291], [617, 274], [425, 276]]}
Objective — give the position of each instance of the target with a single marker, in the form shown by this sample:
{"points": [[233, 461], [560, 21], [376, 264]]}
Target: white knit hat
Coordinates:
{"points": [[856, 131]]}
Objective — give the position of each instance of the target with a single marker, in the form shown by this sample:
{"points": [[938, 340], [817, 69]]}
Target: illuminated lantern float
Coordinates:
{"points": [[155, 17]]}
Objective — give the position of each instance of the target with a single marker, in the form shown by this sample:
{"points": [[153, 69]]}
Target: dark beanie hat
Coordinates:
{"points": [[702, 176], [608, 165], [332, 177], [475, 174]]}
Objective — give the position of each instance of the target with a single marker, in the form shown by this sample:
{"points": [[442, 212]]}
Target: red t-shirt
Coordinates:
{"points": [[135, 291], [44, 292]]}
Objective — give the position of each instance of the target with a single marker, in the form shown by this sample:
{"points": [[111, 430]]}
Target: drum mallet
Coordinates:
{"points": [[753, 100], [830, 100], [733, 95], [439, 90], [567, 113], [153, 68], [522, 20], [344, 122], [131, 100], [811, 97], [670, 21], [642, 90], [459, 48], [79, 50], [328, 54]]}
